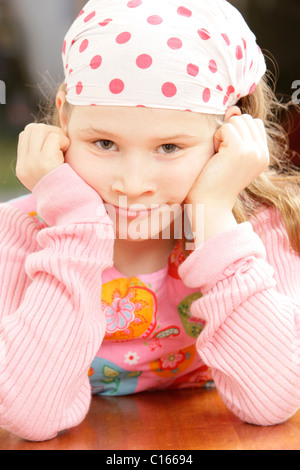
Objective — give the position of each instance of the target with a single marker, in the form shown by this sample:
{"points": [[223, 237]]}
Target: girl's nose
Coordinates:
{"points": [[134, 179], [134, 190]]}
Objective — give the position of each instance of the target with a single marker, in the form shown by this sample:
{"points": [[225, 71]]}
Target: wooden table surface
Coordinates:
{"points": [[176, 420]]}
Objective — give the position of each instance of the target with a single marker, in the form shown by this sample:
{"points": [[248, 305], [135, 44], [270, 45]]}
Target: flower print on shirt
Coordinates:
{"points": [[176, 258], [120, 314], [170, 361], [174, 362], [131, 358], [130, 308]]}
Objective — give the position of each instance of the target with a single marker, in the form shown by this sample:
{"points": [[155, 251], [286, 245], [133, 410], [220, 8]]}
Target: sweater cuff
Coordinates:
{"points": [[64, 198], [219, 257]]}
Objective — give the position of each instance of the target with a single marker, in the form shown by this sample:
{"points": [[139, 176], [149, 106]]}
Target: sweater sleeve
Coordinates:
{"points": [[251, 310], [51, 323]]}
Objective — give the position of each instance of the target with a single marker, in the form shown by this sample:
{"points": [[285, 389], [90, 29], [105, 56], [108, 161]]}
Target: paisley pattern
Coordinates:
{"points": [[173, 363], [119, 314], [193, 326], [107, 378], [176, 258], [198, 378], [130, 309]]}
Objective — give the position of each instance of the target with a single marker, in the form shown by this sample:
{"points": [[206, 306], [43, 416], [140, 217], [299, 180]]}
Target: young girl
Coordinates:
{"points": [[164, 106]]}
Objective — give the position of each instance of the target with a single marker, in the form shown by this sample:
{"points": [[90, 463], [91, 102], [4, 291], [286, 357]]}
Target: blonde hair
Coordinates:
{"points": [[278, 186]]}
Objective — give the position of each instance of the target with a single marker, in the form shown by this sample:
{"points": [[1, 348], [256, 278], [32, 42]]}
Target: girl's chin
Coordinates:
{"points": [[138, 230]]}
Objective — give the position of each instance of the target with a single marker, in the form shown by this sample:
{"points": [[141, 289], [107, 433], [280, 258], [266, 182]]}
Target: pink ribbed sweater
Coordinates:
{"points": [[52, 325]]}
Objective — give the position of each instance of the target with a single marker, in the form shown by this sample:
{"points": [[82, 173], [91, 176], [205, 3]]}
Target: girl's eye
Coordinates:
{"points": [[109, 145], [105, 144], [169, 148]]}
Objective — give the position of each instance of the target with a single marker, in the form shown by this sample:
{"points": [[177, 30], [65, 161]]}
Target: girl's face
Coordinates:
{"points": [[139, 156]]}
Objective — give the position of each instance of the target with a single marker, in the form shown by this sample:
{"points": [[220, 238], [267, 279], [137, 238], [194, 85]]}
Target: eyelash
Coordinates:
{"points": [[109, 141]]}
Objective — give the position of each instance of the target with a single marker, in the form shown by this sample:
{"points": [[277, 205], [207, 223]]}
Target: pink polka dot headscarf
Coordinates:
{"points": [[196, 55]]}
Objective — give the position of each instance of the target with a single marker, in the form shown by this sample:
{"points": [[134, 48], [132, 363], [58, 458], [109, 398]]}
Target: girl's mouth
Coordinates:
{"points": [[135, 211]]}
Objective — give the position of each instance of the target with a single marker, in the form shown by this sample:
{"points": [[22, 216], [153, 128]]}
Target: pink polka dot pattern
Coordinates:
{"points": [[155, 20], [213, 66], [96, 62], [183, 11], [90, 17], [105, 22], [204, 34], [230, 91], [186, 55], [226, 39], [175, 43], [134, 3], [206, 95], [144, 61], [116, 86], [83, 46], [192, 70], [252, 88], [79, 88], [239, 53], [169, 90], [123, 38]]}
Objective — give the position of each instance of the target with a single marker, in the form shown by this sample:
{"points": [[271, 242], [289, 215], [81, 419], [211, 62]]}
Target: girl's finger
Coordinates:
{"points": [[64, 141], [261, 129], [225, 134], [253, 128], [24, 141], [260, 136], [38, 138], [21, 144], [53, 148], [242, 126]]}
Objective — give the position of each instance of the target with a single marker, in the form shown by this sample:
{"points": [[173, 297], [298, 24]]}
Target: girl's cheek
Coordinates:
{"points": [[76, 163], [74, 157]]}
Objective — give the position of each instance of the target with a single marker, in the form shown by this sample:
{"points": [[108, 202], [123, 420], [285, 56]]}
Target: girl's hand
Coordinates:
{"points": [[41, 149], [241, 155]]}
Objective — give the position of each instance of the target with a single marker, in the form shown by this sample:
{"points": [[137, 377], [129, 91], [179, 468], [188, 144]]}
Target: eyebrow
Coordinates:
{"points": [[92, 130]]}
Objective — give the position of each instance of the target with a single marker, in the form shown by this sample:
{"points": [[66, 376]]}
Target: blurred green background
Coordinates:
{"points": [[31, 37]]}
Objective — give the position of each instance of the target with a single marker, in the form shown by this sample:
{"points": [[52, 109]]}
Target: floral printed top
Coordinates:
{"points": [[150, 340]]}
